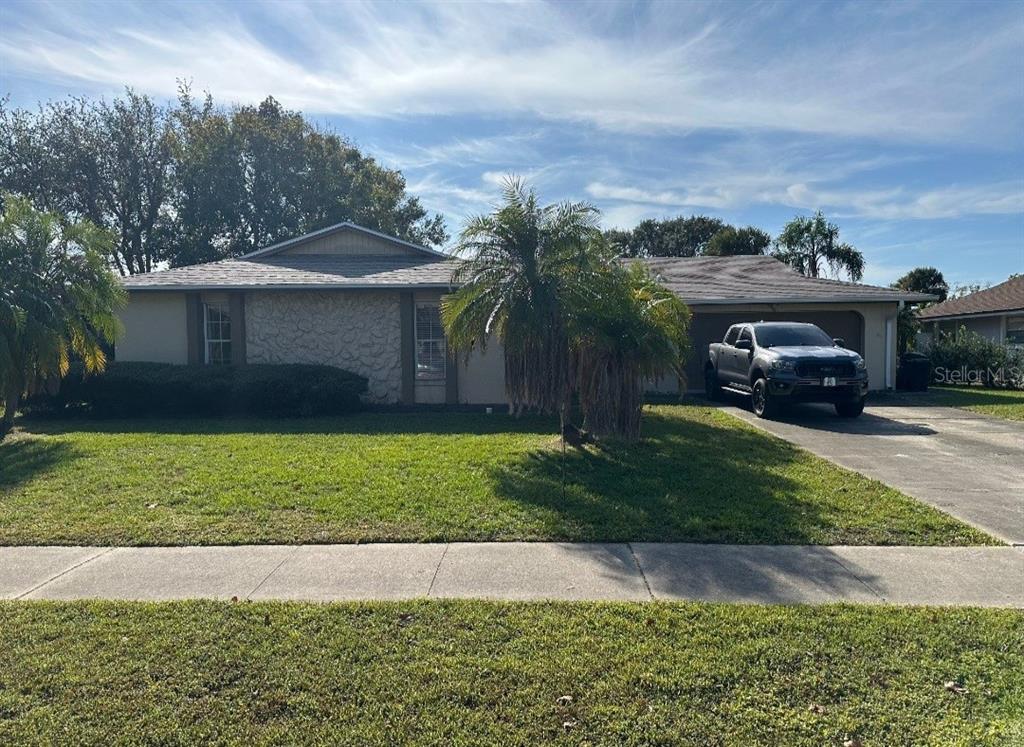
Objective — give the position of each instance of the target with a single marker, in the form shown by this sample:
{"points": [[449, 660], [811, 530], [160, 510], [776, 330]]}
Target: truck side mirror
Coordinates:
{"points": [[839, 342], [744, 345]]}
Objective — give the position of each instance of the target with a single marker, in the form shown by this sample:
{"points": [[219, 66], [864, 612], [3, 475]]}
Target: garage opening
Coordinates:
{"points": [[706, 328]]}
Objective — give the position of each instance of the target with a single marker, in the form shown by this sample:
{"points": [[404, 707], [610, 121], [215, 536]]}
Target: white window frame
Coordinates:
{"points": [[223, 329], [432, 374]]}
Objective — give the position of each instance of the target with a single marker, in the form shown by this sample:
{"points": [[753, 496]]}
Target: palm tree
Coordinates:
{"points": [[522, 263], [57, 298], [807, 243], [629, 330], [571, 319]]}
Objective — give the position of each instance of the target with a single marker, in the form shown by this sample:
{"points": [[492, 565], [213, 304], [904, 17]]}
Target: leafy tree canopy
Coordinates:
{"points": [[924, 280], [674, 237], [732, 241], [58, 297], [193, 182], [810, 244], [691, 236]]}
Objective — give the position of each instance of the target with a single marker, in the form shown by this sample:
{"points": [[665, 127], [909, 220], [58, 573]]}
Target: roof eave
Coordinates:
{"points": [[181, 287], [792, 300], [967, 314]]}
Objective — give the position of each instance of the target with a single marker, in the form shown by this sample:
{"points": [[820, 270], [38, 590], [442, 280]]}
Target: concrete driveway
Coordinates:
{"points": [[968, 465]]}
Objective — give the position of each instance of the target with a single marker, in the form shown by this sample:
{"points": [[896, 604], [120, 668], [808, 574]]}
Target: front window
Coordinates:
{"points": [[217, 328], [430, 342], [1015, 330]]}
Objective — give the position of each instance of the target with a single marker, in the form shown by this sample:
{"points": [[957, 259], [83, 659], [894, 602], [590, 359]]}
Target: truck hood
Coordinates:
{"points": [[820, 352]]}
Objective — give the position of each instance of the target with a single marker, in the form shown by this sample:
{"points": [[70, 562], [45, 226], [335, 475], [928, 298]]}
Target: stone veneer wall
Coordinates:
{"points": [[359, 331]]}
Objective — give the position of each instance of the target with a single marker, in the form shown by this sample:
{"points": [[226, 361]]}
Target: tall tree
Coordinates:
{"points": [[264, 173], [57, 297], [809, 244], [108, 162], [193, 182], [919, 280], [524, 264], [731, 241], [924, 280], [674, 237], [204, 222]]}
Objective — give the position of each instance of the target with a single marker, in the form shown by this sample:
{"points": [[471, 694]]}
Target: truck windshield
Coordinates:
{"points": [[800, 335]]}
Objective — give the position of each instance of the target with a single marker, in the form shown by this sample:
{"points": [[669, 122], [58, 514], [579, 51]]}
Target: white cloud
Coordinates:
{"points": [[675, 68], [726, 190], [1005, 198], [497, 150]]}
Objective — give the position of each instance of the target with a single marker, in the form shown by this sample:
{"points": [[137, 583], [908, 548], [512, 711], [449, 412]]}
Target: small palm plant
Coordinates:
{"points": [[522, 262], [58, 297], [571, 319], [628, 331]]}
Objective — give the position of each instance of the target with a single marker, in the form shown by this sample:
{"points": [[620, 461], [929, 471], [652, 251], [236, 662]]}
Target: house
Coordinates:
{"points": [[996, 313], [363, 301]]}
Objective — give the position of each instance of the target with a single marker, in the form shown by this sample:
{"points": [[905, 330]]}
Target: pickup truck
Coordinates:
{"points": [[778, 362]]}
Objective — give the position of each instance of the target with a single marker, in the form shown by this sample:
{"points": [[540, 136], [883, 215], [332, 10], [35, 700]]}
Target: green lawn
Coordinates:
{"points": [[510, 674], [999, 403], [699, 475]]}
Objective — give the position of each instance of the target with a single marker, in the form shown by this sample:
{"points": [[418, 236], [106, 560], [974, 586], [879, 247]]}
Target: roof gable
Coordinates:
{"points": [[1007, 296], [346, 239]]}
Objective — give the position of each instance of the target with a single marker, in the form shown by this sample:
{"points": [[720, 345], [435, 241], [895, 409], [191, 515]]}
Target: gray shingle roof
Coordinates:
{"points": [[759, 279], [301, 271], [1007, 296], [697, 280]]}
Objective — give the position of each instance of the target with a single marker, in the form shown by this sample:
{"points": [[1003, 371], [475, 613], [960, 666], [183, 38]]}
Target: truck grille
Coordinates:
{"points": [[816, 370]]}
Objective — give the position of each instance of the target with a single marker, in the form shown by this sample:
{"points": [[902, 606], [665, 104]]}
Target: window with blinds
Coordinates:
{"points": [[430, 343]]}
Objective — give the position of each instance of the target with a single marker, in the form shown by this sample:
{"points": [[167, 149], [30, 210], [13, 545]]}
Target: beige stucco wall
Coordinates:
{"points": [[356, 330], [482, 376], [876, 317], [154, 328]]}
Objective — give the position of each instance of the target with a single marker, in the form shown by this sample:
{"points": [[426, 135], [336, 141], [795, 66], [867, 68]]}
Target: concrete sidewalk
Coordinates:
{"points": [[963, 463], [984, 576]]}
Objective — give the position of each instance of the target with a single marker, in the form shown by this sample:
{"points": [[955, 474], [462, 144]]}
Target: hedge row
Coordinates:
{"points": [[969, 357], [160, 389]]}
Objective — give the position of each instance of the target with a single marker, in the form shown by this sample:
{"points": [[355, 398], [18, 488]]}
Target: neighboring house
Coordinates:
{"points": [[357, 299], [996, 313]]}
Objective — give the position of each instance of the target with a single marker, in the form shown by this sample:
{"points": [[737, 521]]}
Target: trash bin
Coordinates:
{"points": [[914, 372]]}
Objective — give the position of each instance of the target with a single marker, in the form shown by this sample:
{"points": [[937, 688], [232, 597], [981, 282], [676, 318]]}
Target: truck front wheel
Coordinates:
{"points": [[761, 400]]}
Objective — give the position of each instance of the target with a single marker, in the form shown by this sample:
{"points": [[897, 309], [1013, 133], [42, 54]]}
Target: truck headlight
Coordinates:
{"points": [[860, 364], [781, 365]]}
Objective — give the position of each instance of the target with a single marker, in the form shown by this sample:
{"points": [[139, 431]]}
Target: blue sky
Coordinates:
{"points": [[903, 122]]}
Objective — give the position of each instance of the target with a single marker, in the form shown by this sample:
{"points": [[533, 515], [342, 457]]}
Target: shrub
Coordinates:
{"points": [[128, 389], [966, 357]]}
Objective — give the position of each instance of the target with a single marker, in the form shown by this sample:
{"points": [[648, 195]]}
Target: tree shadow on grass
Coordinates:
{"points": [[686, 481], [22, 459]]}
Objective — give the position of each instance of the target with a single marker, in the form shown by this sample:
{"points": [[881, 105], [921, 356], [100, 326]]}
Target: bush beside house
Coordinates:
{"points": [[966, 357], [161, 389]]}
